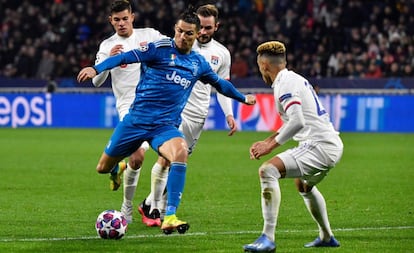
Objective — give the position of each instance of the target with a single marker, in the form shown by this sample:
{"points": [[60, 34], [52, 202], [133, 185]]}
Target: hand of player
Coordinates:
{"points": [[259, 149], [117, 49], [232, 124], [86, 73], [250, 100]]}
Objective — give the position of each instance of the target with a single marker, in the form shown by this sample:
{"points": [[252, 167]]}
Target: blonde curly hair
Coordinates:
{"points": [[271, 48]]}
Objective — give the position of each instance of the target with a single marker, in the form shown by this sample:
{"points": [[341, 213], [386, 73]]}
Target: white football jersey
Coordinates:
{"points": [[125, 77], [198, 103], [291, 88]]}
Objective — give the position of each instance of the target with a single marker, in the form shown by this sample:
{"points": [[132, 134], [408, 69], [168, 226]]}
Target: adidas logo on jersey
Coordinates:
{"points": [[178, 79]]}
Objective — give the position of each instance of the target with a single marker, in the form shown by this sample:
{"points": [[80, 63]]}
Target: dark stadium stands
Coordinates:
{"points": [[52, 39]]}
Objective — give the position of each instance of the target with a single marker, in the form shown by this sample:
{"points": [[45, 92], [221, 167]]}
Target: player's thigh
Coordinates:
{"points": [[106, 163], [277, 163], [174, 150], [305, 160], [311, 161], [170, 143], [125, 139], [192, 132]]}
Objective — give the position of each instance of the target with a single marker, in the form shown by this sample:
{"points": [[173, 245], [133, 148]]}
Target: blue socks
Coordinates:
{"points": [[175, 186], [115, 170]]}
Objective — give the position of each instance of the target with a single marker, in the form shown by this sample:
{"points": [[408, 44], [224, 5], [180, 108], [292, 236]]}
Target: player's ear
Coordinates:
{"points": [[217, 26], [132, 17]]}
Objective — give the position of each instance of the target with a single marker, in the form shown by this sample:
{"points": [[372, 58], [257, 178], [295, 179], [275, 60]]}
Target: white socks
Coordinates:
{"points": [[130, 183], [159, 177], [270, 198], [315, 203]]}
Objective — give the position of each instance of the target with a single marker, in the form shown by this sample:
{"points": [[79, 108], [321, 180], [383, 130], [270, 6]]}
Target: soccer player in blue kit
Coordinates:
{"points": [[169, 71]]}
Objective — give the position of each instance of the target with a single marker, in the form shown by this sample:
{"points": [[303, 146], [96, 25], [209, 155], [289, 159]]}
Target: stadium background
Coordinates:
{"points": [[359, 53]]}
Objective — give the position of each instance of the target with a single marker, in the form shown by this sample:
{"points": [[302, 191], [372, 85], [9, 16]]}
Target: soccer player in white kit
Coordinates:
{"points": [[124, 82], [195, 111], [319, 148]]}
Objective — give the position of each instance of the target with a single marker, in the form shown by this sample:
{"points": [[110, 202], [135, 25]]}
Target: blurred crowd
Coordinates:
{"points": [[51, 39]]}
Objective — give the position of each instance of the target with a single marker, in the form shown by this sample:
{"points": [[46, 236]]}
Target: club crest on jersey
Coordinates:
{"points": [[195, 68], [214, 60], [143, 46], [172, 58]]}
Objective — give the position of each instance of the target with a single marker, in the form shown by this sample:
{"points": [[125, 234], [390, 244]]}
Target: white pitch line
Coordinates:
{"points": [[197, 234]]}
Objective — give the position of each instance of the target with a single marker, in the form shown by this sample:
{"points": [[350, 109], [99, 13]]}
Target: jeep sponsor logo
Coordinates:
{"points": [[178, 79]]}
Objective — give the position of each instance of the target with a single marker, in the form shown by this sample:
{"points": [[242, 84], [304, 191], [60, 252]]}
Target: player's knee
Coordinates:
{"points": [[135, 163], [136, 159], [268, 170], [100, 168], [181, 154], [302, 187]]}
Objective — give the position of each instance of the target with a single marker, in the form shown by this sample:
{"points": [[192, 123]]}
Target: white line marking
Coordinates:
{"points": [[197, 234]]}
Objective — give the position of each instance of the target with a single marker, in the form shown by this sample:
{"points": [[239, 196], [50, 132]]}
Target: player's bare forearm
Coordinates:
{"points": [[271, 137], [261, 148]]}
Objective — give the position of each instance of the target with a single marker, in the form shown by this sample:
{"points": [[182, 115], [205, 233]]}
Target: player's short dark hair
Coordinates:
{"points": [[190, 16], [120, 5], [208, 10]]}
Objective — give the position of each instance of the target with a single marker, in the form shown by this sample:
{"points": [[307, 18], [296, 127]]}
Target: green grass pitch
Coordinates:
{"points": [[50, 196]]}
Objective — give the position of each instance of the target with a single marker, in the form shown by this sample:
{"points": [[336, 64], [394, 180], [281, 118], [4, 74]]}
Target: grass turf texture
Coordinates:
{"points": [[50, 196]]}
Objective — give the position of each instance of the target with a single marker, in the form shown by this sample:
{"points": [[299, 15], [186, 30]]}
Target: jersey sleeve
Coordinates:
{"points": [[226, 88], [291, 102], [142, 54], [101, 55], [224, 69], [224, 72], [295, 123], [156, 35]]}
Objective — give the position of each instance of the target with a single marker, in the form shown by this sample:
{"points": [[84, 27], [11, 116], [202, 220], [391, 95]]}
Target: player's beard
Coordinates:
{"points": [[203, 39]]}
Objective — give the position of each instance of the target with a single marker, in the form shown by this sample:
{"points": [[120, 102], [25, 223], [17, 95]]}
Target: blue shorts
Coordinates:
{"points": [[128, 137]]}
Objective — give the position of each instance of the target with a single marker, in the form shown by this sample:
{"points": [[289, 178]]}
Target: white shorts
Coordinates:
{"points": [[311, 161], [192, 131]]}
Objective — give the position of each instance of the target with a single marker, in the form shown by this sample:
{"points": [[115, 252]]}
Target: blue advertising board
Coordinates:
{"points": [[349, 113]]}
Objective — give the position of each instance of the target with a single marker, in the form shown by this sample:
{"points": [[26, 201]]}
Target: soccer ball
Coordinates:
{"points": [[111, 224]]}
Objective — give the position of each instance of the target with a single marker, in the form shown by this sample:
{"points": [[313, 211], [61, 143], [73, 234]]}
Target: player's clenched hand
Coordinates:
{"points": [[250, 100], [86, 73]]}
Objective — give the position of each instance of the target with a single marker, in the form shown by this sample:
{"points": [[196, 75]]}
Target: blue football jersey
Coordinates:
{"points": [[167, 78]]}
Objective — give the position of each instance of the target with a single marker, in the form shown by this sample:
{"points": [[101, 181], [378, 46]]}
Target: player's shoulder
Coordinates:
{"points": [[218, 49], [218, 46], [197, 56], [164, 42], [146, 31], [291, 77], [109, 40]]}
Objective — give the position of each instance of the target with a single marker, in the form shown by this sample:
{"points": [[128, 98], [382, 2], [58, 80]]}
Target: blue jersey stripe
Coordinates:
{"points": [[163, 42], [284, 97]]}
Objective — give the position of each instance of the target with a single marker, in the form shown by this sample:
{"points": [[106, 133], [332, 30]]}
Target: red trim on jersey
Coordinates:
{"points": [[292, 103]]}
